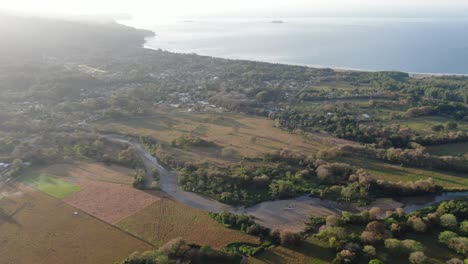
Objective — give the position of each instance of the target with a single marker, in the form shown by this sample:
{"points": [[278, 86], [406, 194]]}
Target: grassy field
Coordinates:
{"points": [[51, 185], [167, 219], [91, 171], [455, 149], [396, 173], [425, 124], [37, 228], [244, 135]]}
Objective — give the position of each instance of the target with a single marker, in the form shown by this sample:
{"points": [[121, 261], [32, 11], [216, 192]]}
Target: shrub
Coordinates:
{"points": [[455, 261], [417, 224], [446, 236], [175, 248], [345, 256], [369, 251], [289, 239], [374, 213], [314, 223], [333, 172], [375, 261], [464, 227], [417, 257], [403, 246], [375, 232], [449, 221], [419, 111], [459, 245], [332, 220], [410, 245]]}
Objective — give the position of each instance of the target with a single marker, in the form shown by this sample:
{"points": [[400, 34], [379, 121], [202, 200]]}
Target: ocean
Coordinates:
{"points": [[417, 45]]}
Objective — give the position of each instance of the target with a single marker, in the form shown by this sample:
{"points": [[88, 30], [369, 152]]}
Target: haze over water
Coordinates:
{"points": [[425, 45]]}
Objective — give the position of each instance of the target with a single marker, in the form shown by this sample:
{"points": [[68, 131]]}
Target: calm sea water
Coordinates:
{"points": [[414, 45]]}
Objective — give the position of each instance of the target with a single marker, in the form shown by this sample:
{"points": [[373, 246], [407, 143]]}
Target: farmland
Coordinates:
{"points": [[38, 228], [455, 149], [395, 173], [167, 219], [246, 136], [51, 185]]}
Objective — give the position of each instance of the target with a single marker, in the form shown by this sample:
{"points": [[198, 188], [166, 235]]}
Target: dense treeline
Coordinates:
{"points": [[417, 157], [358, 238], [180, 251], [283, 175]]}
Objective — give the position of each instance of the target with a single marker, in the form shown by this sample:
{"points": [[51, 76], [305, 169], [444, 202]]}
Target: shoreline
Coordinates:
{"points": [[335, 68], [413, 74]]}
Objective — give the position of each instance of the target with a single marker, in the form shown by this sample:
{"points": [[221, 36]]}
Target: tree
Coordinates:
{"points": [[369, 251], [417, 224], [332, 220], [374, 213], [455, 261], [449, 221], [376, 261], [446, 236], [410, 245], [393, 244], [452, 126], [464, 227], [289, 239], [417, 257], [459, 244], [175, 248], [262, 96], [438, 128]]}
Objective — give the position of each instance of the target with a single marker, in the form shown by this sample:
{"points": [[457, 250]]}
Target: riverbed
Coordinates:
{"points": [[283, 215]]}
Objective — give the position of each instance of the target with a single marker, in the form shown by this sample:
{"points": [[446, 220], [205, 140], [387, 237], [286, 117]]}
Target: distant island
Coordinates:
{"points": [[277, 21]]}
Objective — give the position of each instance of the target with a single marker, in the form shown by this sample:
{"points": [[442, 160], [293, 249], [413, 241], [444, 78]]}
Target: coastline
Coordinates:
{"points": [[335, 68], [413, 74]]}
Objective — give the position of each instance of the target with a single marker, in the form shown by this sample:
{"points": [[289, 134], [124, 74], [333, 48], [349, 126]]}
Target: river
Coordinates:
{"points": [[287, 214]]}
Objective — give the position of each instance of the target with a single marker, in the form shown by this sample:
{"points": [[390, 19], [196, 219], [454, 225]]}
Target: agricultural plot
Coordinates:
{"points": [[243, 135], [167, 219], [425, 124], [396, 173], [91, 171], [37, 228], [455, 149], [104, 191], [51, 185], [109, 202]]}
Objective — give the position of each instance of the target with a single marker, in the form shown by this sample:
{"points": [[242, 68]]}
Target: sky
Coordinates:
{"points": [[281, 8]]}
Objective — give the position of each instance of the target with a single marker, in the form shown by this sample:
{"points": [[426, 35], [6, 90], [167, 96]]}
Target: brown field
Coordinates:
{"points": [[91, 171], [105, 192], [37, 228], [246, 135], [167, 219], [312, 251], [109, 201]]}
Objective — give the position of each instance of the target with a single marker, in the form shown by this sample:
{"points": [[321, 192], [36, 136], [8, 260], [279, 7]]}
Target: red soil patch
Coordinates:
{"points": [[109, 201]]}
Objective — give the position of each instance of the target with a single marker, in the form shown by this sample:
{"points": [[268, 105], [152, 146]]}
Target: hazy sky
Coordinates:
{"points": [[180, 8]]}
